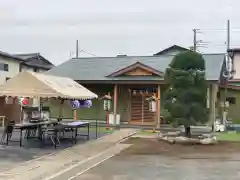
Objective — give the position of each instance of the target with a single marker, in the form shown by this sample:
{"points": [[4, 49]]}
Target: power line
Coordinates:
{"points": [[81, 50], [220, 30], [197, 43], [73, 54]]}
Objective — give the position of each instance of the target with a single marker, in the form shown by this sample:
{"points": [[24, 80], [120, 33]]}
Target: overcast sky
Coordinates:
{"points": [[111, 27]]}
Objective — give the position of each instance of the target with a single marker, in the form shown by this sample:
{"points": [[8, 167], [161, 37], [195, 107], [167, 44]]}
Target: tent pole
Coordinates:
{"points": [[61, 108], [21, 114], [40, 108]]}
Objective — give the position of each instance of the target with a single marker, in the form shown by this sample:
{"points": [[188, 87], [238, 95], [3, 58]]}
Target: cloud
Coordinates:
{"points": [[109, 27]]}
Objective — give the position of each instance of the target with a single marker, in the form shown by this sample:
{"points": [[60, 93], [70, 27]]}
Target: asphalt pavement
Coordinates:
{"points": [[155, 167]]}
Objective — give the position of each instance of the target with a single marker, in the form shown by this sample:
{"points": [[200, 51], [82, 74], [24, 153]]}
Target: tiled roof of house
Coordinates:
{"points": [[27, 56], [35, 60], [173, 47], [4, 54], [98, 68]]}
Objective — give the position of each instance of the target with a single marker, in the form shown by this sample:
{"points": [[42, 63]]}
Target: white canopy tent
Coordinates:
{"points": [[38, 85]]}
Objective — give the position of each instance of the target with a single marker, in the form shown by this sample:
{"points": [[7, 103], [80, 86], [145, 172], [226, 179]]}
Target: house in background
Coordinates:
{"points": [[131, 80], [10, 66], [172, 50], [233, 87], [34, 62]]}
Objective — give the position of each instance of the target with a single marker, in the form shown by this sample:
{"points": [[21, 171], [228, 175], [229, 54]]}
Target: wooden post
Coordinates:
{"points": [[130, 107], [158, 106], [107, 114], [61, 108], [142, 109], [115, 103], [75, 114]]}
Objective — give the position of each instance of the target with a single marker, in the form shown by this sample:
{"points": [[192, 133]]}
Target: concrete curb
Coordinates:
{"points": [[126, 138]]}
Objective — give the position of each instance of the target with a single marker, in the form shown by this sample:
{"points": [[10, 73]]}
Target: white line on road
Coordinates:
{"points": [[96, 164]]}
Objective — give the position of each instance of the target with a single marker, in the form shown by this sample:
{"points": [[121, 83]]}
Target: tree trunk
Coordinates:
{"points": [[188, 131]]}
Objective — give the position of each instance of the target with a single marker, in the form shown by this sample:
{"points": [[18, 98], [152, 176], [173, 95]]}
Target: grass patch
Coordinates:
{"points": [[229, 136], [236, 121]]}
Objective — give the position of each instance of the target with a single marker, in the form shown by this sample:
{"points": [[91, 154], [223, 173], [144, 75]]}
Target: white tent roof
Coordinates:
{"points": [[30, 84]]}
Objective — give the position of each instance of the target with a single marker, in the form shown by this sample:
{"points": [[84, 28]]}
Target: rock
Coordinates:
{"points": [[161, 135], [165, 138], [177, 133], [208, 135], [185, 140], [171, 140], [209, 141]]}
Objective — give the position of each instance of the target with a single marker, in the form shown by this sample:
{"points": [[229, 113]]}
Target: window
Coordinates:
{"points": [[7, 78], [3, 67], [231, 100]]}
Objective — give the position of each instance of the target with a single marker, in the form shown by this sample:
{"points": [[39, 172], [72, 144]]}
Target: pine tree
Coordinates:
{"points": [[185, 97]]}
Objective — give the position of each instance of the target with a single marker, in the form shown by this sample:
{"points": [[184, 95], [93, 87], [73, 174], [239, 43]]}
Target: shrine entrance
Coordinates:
{"points": [[140, 113]]}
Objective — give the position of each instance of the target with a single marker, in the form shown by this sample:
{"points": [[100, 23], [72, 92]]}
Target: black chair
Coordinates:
{"points": [[52, 133], [31, 132], [59, 119], [7, 133]]}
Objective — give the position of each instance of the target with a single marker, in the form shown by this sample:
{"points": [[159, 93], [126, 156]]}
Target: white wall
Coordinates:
{"points": [[25, 68], [13, 69], [236, 60]]}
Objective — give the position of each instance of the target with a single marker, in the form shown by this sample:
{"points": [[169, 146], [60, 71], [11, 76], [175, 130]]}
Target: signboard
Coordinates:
{"points": [[152, 106], [106, 105]]}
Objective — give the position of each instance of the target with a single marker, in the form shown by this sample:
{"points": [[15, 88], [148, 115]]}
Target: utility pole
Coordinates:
{"points": [[75, 110], [227, 75], [228, 34], [194, 40], [77, 49]]}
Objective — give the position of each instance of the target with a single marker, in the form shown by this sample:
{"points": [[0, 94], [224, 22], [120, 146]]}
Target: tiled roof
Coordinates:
{"points": [[174, 47], [4, 54], [27, 56], [98, 68], [35, 60]]}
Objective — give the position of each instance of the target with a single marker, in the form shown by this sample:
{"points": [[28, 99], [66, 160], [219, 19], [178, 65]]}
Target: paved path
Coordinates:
{"points": [[159, 167], [12, 154], [55, 165]]}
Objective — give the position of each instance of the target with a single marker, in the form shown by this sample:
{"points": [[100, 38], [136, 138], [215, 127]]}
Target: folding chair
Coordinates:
{"points": [[30, 132], [8, 130], [52, 133]]}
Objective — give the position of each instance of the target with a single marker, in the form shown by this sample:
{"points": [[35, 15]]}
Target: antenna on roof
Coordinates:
{"points": [[77, 49], [121, 55]]}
